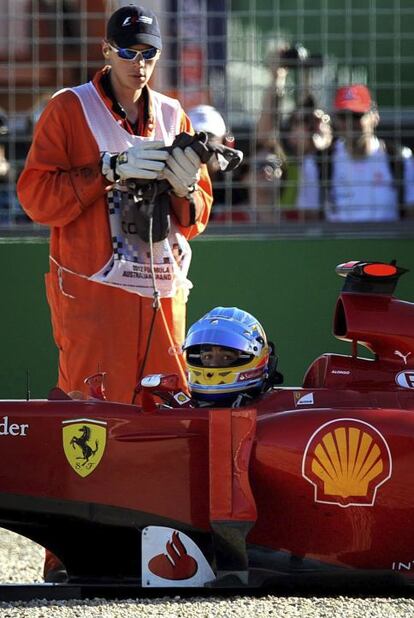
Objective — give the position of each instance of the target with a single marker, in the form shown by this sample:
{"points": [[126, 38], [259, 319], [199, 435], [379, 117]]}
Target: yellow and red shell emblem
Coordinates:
{"points": [[346, 461]]}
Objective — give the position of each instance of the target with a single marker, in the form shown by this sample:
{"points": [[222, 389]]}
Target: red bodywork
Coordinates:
{"points": [[319, 475]]}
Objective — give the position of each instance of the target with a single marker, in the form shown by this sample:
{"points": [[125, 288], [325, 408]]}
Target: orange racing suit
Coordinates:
{"points": [[98, 327]]}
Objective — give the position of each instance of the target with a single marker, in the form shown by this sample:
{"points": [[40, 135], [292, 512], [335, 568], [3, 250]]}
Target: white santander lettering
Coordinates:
{"points": [[12, 429]]}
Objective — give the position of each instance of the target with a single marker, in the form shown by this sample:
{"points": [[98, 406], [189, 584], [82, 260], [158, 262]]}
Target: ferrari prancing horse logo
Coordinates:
{"points": [[84, 442]]}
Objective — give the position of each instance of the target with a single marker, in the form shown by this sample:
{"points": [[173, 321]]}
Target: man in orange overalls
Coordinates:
{"points": [[88, 144], [71, 170]]}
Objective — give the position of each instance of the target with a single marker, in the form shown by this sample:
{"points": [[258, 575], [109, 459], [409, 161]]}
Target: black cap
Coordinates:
{"points": [[131, 25]]}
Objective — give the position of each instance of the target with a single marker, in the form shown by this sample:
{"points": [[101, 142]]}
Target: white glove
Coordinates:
{"points": [[182, 170], [144, 161]]}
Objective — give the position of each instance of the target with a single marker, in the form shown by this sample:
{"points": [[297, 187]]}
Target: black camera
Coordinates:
{"points": [[298, 56]]}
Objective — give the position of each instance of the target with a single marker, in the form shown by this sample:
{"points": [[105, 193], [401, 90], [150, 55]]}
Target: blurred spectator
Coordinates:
{"points": [[4, 172], [10, 209], [230, 196], [268, 159], [363, 178], [264, 181], [306, 134], [286, 166], [206, 118], [4, 164]]}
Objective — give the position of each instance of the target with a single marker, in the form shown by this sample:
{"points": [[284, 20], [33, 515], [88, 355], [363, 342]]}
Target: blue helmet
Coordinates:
{"points": [[235, 330]]}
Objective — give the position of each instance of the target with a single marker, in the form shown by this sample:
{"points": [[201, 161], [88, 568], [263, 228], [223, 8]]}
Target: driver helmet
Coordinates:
{"points": [[227, 353]]}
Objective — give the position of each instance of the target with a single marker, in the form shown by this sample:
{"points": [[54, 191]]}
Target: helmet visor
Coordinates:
{"points": [[213, 356], [223, 337]]}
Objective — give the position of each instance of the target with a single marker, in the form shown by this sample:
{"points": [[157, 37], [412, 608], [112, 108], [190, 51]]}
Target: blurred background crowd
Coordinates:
{"points": [[319, 96]]}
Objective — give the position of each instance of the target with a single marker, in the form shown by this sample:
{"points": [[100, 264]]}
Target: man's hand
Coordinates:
{"points": [[182, 170], [144, 161]]}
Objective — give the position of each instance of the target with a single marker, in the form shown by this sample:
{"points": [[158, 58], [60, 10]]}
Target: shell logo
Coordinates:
{"points": [[346, 460]]}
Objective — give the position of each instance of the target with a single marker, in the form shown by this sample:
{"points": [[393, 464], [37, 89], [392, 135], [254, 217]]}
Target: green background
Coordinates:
{"points": [[356, 33], [289, 285]]}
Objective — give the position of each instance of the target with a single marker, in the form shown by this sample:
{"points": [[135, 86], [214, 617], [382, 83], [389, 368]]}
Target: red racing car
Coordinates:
{"points": [[312, 482]]}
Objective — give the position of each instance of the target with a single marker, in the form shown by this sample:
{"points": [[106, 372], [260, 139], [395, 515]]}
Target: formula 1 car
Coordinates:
{"points": [[308, 483]]}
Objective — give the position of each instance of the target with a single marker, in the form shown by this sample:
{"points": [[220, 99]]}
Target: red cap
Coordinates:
{"points": [[355, 98]]}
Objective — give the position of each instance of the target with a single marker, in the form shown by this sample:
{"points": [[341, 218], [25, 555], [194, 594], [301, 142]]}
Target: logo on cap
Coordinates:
{"points": [[133, 19], [145, 19], [346, 461], [349, 95]]}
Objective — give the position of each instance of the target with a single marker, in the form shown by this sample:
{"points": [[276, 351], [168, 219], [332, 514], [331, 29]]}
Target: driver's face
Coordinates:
{"points": [[217, 356]]}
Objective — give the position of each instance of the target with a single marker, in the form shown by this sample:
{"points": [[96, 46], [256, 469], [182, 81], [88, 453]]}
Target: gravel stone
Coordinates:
{"points": [[21, 561]]}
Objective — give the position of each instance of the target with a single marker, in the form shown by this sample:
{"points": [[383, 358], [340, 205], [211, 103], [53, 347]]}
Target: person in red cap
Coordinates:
{"points": [[355, 119], [355, 98], [117, 304], [363, 178]]}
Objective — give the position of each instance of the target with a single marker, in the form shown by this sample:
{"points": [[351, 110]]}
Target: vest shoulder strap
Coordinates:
{"points": [[170, 109]]}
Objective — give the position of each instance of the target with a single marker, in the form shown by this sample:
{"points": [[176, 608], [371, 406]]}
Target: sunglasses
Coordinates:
{"points": [[133, 54], [348, 115]]}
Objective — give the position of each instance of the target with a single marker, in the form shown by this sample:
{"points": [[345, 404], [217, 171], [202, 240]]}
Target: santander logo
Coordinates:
{"points": [[176, 564], [170, 557]]}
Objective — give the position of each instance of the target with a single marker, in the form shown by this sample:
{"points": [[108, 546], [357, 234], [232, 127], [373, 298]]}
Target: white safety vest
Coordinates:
{"points": [[129, 266]]}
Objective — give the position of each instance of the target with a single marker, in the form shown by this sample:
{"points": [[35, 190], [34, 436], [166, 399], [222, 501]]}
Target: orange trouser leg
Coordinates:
{"points": [[100, 328]]}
